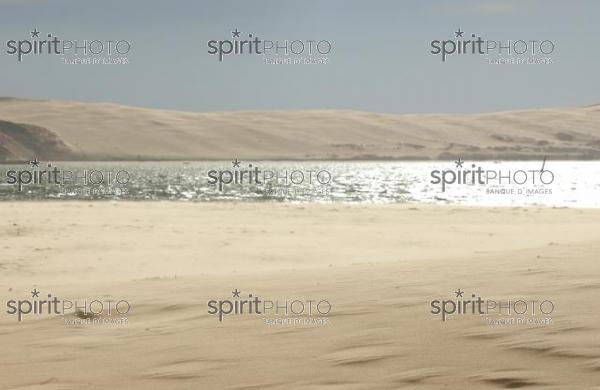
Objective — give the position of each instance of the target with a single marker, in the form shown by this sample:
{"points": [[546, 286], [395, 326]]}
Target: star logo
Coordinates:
{"points": [[236, 293], [236, 163], [459, 163], [236, 33], [459, 293], [459, 34], [34, 163], [35, 293], [35, 33]]}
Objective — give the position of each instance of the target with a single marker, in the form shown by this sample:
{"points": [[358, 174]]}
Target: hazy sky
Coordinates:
{"points": [[380, 59]]}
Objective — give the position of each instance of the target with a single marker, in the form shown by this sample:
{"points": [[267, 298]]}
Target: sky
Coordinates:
{"points": [[380, 59]]}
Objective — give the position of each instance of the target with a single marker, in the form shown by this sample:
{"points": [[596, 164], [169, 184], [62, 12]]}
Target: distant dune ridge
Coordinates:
{"points": [[66, 130]]}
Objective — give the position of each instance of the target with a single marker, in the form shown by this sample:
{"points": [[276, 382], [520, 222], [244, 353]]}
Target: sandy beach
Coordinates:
{"points": [[308, 195], [379, 266]]}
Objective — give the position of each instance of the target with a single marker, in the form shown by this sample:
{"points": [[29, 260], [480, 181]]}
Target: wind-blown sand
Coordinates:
{"points": [[64, 130], [379, 266]]}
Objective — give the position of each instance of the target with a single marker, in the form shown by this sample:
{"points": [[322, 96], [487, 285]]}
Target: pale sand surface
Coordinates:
{"points": [[67, 130], [380, 266]]}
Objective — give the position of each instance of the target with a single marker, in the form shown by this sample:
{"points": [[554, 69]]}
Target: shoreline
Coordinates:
{"points": [[271, 203], [345, 160]]}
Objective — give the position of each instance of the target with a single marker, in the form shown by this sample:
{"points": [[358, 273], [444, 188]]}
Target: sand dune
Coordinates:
{"points": [[380, 266], [103, 131], [20, 140]]}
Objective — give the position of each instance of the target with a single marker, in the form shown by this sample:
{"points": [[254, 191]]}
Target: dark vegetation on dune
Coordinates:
{"points": [[20, 141]]}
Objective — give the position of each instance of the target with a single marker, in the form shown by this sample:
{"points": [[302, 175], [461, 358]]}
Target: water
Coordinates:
{"points": [[568, 183]]}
